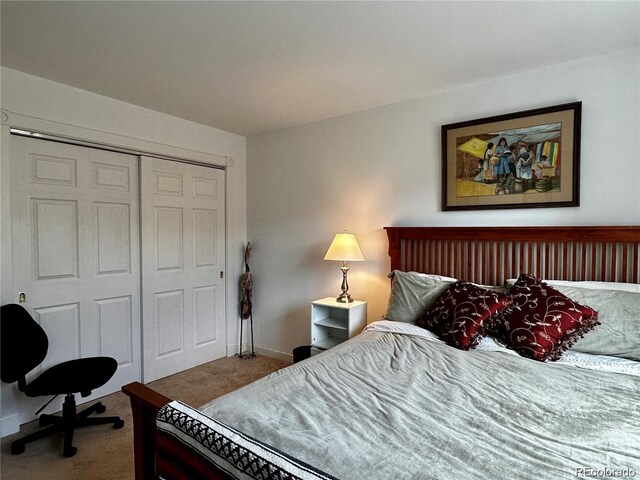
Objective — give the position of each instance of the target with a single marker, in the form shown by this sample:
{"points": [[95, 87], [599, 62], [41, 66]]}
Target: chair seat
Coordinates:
{"points": [[73, 376]]}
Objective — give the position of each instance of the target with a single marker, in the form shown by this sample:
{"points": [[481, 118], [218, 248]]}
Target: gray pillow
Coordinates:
{"points": [[414, 293], [619, 315]]}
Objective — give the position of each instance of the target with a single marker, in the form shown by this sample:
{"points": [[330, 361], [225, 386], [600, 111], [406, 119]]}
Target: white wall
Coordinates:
{"points": [[34, 102], [381, 167]]}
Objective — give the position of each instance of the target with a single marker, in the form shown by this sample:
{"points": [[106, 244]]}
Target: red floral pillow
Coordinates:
{"points": [[542, 322], [463, 313]]}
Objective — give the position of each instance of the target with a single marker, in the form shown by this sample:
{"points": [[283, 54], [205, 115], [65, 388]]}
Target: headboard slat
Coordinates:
{"points": [[490, 255]]}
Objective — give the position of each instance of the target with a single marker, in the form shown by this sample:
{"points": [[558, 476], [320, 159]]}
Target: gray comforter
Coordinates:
{"points": [[393, 406]]}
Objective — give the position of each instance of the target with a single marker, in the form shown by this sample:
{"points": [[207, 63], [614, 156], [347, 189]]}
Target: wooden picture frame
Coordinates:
{"points": [[527, 159]]}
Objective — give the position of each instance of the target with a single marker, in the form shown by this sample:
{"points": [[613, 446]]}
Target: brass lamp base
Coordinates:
{"points": [[344, 296]]}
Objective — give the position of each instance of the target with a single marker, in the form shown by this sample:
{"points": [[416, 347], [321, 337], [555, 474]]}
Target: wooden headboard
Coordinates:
{"points": [[490, 255]]}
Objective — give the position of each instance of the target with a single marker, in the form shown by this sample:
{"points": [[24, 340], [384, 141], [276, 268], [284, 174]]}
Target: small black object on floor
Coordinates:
{"points": [[301, 353]]}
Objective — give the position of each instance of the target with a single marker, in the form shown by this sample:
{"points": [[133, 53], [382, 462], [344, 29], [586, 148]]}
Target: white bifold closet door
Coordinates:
{"points": [[183, 258], [76, 251]]}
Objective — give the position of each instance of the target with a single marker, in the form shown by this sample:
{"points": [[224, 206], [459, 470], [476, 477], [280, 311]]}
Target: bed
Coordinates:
{"points": [[397, 401]]}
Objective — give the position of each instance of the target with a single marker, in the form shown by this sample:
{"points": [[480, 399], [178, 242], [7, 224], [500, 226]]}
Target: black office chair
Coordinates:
{"points": [[24, 346]]}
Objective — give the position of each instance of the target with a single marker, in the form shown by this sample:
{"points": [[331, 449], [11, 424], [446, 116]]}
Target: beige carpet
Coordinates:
{"points": [[107, 454]]}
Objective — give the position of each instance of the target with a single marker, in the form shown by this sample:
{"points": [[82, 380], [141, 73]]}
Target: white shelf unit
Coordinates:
{"points": [[333, 322]]}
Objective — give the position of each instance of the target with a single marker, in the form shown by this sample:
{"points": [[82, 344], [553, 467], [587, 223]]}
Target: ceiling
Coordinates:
{"points": [[255, 67]]}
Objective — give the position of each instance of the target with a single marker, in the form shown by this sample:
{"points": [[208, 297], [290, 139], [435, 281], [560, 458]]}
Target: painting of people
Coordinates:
{"points": [[509, 161], [517, 160]]}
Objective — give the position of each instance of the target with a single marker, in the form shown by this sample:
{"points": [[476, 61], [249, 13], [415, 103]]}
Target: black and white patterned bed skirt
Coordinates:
{"points": [[238, 455]]}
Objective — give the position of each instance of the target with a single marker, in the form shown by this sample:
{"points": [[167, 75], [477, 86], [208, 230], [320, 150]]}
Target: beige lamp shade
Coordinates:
{"points": [[345, 248]]}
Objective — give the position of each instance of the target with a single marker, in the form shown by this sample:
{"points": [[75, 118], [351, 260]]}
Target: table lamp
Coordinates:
{"points": [[344, 248]]}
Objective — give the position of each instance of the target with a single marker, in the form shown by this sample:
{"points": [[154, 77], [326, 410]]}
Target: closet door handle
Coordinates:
{"points": [[22, 297]]}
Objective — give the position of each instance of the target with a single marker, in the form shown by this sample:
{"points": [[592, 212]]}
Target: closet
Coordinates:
{"points": [[119, 254]]}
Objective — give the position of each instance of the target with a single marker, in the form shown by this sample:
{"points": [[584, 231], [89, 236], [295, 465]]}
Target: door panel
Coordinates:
{"points": [[204, 238], [169, 235], [203, 306], [76, 251], [183, 238], [53, 170], [54, 238], [112, 237], [116, 315], [62, 324]]}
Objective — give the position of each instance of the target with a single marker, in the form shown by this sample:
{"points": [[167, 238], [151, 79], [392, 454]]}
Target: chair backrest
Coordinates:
{"points": [[23, 341]]}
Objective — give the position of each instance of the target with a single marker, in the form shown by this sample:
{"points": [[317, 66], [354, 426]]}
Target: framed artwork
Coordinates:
{"points": [[525, 159]]}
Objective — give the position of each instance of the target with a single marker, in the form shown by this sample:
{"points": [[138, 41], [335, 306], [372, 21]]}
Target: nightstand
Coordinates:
{"points": [[334, 322]]}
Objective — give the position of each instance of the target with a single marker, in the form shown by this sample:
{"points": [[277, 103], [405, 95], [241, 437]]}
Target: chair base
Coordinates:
{"points": [[67, 423]]}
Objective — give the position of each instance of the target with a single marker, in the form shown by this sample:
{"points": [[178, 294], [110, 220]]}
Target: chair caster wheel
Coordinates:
{"points": [[100, 408], [70, 452], [17, 448], [118, 424]]}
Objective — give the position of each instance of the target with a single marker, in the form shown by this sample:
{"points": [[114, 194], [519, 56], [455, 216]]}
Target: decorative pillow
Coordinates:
{"points": [[619, 315], [463, 314], [542, 322], [413, 293]]}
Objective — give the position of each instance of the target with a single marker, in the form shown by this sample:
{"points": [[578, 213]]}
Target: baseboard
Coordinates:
{"points": [[287, 357], [9, 425]]}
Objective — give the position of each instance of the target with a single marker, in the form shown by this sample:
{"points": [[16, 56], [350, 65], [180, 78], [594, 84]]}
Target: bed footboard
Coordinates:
{"points": [[156, 454], [145, 404]]}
